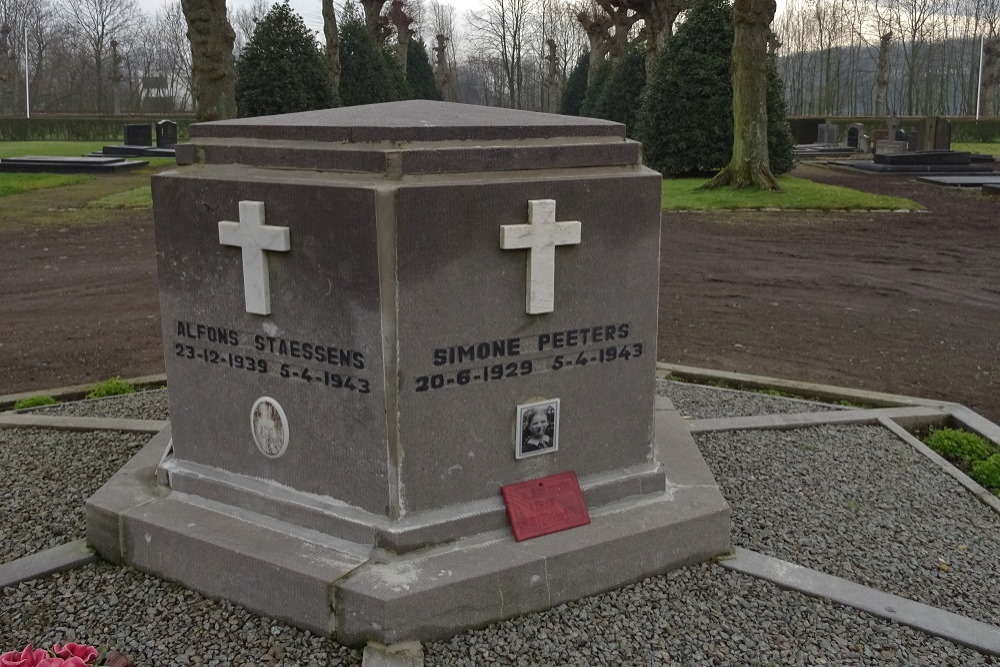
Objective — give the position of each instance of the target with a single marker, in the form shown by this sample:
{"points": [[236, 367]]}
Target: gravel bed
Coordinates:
{"points": [[859, 503], [150, 404], [47, 476], [155, 623], [702, 615], [702, 402]]}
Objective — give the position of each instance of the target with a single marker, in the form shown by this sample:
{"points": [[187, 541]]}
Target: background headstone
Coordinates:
{"points": [[138, 135], [913, 141], [166, 134], [942, 135], [827, 134], [886, 146], [855, 133]]}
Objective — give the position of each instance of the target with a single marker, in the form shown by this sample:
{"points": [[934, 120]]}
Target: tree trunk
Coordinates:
{"points": [[598, 29], [991, 74], [750, 165], [213, 72], [399, 18], [552, 77], [882, 75], [332, 36]]}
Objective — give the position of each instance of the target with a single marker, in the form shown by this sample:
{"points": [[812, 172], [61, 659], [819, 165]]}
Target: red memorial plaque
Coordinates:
{"points": [[545, 505]]}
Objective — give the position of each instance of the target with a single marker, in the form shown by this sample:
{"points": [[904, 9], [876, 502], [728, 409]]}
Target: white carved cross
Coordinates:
{"points": [[540, 237], [254, 237]]}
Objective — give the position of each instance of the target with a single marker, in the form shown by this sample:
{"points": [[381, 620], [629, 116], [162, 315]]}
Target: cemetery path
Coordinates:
{"points": [[79, 304], [902, 302], [906, 303]]}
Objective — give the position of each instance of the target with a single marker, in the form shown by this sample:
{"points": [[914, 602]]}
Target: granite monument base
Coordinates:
{"points": [[363, 593]]}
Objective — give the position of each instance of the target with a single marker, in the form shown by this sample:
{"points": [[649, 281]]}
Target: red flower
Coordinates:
{"points": [[87, 654], [29, 657]]}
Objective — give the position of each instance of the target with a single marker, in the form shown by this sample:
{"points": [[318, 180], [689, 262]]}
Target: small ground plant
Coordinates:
{"points": [[112, 387], [974, 454], [987, 473], [34, 402], [959, 446]]}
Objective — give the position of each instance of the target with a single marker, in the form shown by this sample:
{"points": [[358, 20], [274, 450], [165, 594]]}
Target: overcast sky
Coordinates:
{"points": [[309, 10]]}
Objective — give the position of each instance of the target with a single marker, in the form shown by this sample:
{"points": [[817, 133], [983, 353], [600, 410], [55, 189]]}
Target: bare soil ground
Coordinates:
{"points": [[901, 302]]}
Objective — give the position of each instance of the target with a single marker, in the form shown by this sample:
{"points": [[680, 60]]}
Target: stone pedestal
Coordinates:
{"points": [[373, 318]]}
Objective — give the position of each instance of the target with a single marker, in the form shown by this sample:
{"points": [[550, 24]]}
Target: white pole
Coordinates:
{"points": [[27, 88], [979, 90]]}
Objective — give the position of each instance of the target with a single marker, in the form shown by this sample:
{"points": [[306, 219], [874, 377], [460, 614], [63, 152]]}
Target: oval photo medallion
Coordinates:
{"points": [[269, 426]]}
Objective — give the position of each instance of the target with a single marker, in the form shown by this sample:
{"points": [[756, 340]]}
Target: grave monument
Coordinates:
{"points": [[376, 317]]}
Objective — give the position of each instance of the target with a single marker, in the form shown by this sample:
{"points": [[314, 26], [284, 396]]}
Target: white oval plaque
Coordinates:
{"points": [[269, 426]]}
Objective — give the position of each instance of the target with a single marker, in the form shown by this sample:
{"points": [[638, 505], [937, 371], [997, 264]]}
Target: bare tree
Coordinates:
{"points": [[402, 21], [332, 36], [500, 27], [98, 22], [882, 74]]}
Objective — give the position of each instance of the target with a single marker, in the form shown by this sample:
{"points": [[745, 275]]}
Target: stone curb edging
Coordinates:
{"points": [[956, 628], [813, 390], [917, 415], [77, 390], [68, 423], [42, 563]]}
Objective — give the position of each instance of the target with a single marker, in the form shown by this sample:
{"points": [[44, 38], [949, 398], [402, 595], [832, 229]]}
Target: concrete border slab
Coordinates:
{"points": [[70, 423], [956, 628], [809, 390], [57, 559], [914, 416]]}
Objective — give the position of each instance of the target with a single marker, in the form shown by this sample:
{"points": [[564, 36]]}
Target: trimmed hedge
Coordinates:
{"points": [[963, 128], [80, 128]]}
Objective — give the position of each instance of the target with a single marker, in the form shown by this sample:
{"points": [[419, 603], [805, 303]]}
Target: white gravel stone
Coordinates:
{"points": [[47, 477], [859, 503], [150, 404]]}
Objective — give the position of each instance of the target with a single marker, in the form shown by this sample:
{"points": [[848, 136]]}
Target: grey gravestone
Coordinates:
{"points": [[885, 147], [366, 310], [827, 134], [166, 134], [138, 135], [913, 141], [855, 135], [893, 126], [942, 135]]}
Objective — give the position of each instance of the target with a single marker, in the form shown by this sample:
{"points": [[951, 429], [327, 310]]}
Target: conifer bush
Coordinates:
{"points": [[593, 95], [281, 69], [366, 70], [576, 87], [685, 121], [622, 92], [780, 142], [419, 73]]}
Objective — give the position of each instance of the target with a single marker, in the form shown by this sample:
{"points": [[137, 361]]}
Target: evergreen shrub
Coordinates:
{"points": [[960, 446], [282, 69], [366, 74], [419, 73], [593, 95], [622, 92], [685, 121], [576, 87]]}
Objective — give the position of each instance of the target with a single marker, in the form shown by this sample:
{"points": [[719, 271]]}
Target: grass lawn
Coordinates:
{"points": [[66, 148], [989, 149], [141, 197], [29, 198], [682, 194], [12, 183]]}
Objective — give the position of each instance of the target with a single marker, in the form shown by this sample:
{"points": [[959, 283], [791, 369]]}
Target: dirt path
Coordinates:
{"points": [[907, 303]]}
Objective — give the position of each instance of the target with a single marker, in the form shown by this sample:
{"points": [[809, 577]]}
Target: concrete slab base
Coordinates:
{"points": [[407, 654], [954, 627], [363, 594], [57, 559]]}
